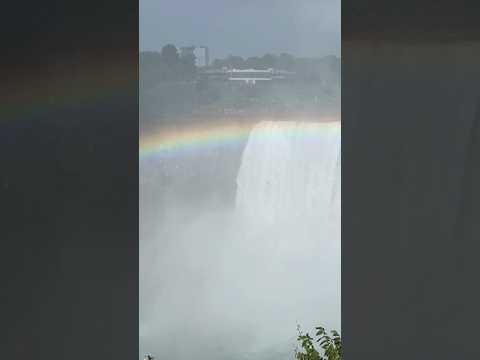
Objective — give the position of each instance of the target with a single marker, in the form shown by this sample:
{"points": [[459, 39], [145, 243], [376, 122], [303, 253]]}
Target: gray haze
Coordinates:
{"points": [[243, 27]]}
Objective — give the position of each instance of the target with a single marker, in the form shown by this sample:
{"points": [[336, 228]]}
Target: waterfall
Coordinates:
{"points": [[236, 282], [288, 199], [289, 171]]}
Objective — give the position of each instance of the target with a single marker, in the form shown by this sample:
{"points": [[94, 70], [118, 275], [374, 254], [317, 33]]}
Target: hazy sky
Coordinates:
{"points": [[243, 27]]}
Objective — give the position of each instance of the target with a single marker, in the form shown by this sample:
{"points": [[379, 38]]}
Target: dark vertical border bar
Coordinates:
{"points": [[69, 180], [410, 175]]}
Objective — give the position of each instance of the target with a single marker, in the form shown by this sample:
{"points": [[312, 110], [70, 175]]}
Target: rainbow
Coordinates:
{"points": [[193, 137]]}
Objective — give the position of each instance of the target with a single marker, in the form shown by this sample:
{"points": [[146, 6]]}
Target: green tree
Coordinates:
{"points": [[331, 345], [235, 62], [170, 55], [268, 61], [153, 70], [253, 62], [187, 68]]}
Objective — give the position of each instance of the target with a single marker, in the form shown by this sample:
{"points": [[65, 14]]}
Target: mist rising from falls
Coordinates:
{"points": [[234, 283], [288, 204]]}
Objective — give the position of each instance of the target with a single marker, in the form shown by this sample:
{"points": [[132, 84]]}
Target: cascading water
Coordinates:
{"points": [[289, 170], [288, 205], [235, 284], [290, 176]]}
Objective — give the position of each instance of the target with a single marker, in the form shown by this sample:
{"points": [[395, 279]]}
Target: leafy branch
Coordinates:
{"points": [[331, 345]]}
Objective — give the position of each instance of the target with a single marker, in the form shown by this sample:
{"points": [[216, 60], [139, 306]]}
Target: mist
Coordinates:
{"points": [[223, 276], [239, 178]]}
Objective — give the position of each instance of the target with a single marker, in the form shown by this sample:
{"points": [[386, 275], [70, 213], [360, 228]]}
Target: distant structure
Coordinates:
{"points": [[247, 76], [201, 54], [250, 76]]}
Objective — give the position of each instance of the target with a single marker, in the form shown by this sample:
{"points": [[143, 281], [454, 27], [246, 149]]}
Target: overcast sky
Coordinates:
{"points": [[243, 27]]}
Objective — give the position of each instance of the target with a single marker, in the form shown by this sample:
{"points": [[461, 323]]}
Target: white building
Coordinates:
{"points": [[202, 56], [201, 53]]}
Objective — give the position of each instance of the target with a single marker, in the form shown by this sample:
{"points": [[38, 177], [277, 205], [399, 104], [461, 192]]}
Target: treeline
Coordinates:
{"points": [[165, 66], [171, 85], [307, 69], [283, 62], [168, 65]]}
